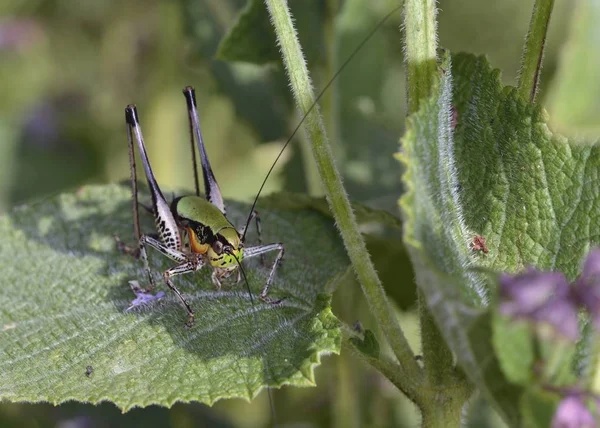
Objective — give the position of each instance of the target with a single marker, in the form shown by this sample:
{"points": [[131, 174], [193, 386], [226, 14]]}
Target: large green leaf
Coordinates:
{"points": [[495, 170], [65, 291]]}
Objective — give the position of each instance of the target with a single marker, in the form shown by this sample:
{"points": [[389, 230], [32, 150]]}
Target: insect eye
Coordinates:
{"points": [[217, 247]]}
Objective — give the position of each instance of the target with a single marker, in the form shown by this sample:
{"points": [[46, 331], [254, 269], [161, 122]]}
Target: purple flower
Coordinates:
{"points": [[19, 34], [142, 296], [572, 413], [591, 266], [587, 287], [542, 297]]}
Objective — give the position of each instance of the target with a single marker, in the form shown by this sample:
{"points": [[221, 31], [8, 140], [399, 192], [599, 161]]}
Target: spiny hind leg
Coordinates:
{"points": [[260, 251], [170, 252], [189, 266]]}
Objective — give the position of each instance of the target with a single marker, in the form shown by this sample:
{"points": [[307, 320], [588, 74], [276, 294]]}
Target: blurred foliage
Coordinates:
{"points": [[575, 94], [69, 68]]}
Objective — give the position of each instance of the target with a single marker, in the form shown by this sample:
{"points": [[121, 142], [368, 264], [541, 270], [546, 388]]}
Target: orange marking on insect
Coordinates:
{"points": [[197, 247]]}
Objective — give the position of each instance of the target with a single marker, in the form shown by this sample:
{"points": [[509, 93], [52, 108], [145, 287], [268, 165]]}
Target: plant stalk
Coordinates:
{"points": [[420, 31], [421, 70], [389, 369], [533, 50], [437, 356], [335, 193]]}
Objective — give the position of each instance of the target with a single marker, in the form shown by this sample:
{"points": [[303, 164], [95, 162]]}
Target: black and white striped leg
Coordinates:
{"points": [[181, 269], [260, 251], [165, 250], [242, 231], [171, 253]]}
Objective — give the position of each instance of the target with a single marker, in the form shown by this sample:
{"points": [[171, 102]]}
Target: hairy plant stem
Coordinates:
{"points": [[533, 50], [420, 52], [336, 195], [421, 70], [446, 389], [330, 110], [438, 358], [390, 369]]}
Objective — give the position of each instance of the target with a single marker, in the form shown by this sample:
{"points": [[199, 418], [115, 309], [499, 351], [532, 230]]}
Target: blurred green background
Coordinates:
{"points": [[68, 68]]}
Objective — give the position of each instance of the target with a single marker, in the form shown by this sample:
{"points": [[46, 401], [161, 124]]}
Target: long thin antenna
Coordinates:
{"points": [[329, 83], [271, 403]]}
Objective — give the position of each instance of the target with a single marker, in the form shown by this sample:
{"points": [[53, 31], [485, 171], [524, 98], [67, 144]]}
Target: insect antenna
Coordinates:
{"points": [[269, 393], [313, 105]]}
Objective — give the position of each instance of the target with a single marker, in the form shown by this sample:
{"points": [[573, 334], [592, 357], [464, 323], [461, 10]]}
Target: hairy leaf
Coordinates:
{"points": [[490, 187], [65, 291], [252, 38]]}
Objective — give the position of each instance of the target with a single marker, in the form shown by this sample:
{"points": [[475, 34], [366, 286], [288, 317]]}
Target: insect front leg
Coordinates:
{"points": [[187, 264], [260, 251], [191, 265]]}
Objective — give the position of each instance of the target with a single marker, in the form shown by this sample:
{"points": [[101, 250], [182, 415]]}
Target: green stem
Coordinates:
{"points": [[437, 356], [421, 70], [346, 409], [330, 111], [533, 51], [311, 175], [442, 415], [335, 192], [421, 45], [390, 369]]}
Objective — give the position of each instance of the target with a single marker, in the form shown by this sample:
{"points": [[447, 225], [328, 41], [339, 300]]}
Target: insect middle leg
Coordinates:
{"points": [[187, 264], [260, 250]]}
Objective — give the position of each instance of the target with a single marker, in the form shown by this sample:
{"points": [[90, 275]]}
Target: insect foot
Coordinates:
{"points": [[190, 322], [143, 296], [267, 299]]}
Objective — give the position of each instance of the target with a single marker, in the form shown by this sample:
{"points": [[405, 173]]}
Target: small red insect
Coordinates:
{"points": [[454, 120], [478, 244]]}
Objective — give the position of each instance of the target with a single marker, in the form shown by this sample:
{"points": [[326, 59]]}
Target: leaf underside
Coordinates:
{"points": [[65, 290], [252, 37], [481, 162]]}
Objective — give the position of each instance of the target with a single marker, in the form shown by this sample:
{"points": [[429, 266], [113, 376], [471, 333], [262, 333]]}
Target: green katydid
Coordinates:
{"points": [[199, 222], [202, 223]]}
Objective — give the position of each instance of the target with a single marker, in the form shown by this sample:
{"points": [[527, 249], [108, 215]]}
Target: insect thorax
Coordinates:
{"points": [[206, 226]]}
